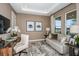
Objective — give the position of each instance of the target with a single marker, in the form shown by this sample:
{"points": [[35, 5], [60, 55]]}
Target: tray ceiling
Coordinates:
{"points": [[45, 9]]}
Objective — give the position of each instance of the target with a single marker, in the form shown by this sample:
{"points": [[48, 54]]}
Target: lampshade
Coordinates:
{"points": [[47, 29], [74, 29]]}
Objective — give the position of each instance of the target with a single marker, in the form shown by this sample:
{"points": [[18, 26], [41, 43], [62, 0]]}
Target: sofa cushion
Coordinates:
{"points": [[60, 36], [57, 46], [63, 40], [54, 36], [67, 38], [54, 42]]}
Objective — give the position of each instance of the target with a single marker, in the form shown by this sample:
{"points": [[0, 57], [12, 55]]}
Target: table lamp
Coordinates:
{"points": [[47, 30]]}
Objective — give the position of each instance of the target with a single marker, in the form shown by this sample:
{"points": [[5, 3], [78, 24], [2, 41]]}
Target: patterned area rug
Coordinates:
{"points": [[41, 49]]}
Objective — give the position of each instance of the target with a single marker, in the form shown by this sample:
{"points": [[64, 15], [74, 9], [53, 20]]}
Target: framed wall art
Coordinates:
{"points": [[38, 26], [30, 26]]}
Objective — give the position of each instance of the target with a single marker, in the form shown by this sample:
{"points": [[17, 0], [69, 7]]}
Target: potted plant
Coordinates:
{"points": [[77, 41], [13, 34]]}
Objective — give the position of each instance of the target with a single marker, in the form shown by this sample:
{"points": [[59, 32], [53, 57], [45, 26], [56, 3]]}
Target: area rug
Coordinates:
{"points": [[40, 49]]}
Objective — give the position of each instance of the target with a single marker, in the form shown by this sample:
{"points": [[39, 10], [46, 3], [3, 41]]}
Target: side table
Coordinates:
{"points": [[72, 49], [45, 35]]}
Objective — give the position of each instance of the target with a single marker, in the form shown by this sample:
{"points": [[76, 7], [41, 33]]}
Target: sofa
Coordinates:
{"points": [[58, 43]]}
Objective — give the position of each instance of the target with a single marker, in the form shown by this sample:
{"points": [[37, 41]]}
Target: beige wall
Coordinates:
{"points": [[5, 10], [62, 14], [77, 6], [21, 22]]}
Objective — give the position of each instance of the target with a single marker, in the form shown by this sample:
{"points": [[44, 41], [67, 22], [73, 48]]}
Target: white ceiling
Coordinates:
{"points": [[45, 9]]}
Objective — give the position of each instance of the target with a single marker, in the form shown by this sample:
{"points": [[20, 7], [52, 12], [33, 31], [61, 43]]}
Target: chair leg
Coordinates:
{"points": [[22, 52], [19, 53]]}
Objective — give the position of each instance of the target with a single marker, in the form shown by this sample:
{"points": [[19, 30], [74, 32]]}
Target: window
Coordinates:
{"points": [[70, 21], [58, 25]]}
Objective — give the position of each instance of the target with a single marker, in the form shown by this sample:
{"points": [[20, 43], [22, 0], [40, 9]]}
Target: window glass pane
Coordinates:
{"points": [[70, 21], [58, 25]]}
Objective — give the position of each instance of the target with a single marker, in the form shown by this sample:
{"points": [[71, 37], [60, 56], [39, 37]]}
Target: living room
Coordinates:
{"points": [[44, 27]]}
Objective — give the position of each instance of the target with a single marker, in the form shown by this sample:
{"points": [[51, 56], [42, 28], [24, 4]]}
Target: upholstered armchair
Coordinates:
{"points": [[22, 45]]}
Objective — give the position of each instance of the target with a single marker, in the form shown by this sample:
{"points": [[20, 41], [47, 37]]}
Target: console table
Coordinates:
{"points": [[7, 49], [72, 49]]}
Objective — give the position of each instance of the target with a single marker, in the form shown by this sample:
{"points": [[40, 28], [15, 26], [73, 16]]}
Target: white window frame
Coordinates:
{"points": [[66, 18], [61, 23]]}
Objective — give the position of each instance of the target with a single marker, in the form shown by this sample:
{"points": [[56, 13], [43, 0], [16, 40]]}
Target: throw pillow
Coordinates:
{"points": [[60, 36], [54, 36], [63, 40], [72, 41], [68, 38]]}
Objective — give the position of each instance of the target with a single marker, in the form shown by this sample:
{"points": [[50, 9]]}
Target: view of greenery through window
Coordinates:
{"points": [[58, 25], [70, 20]]}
